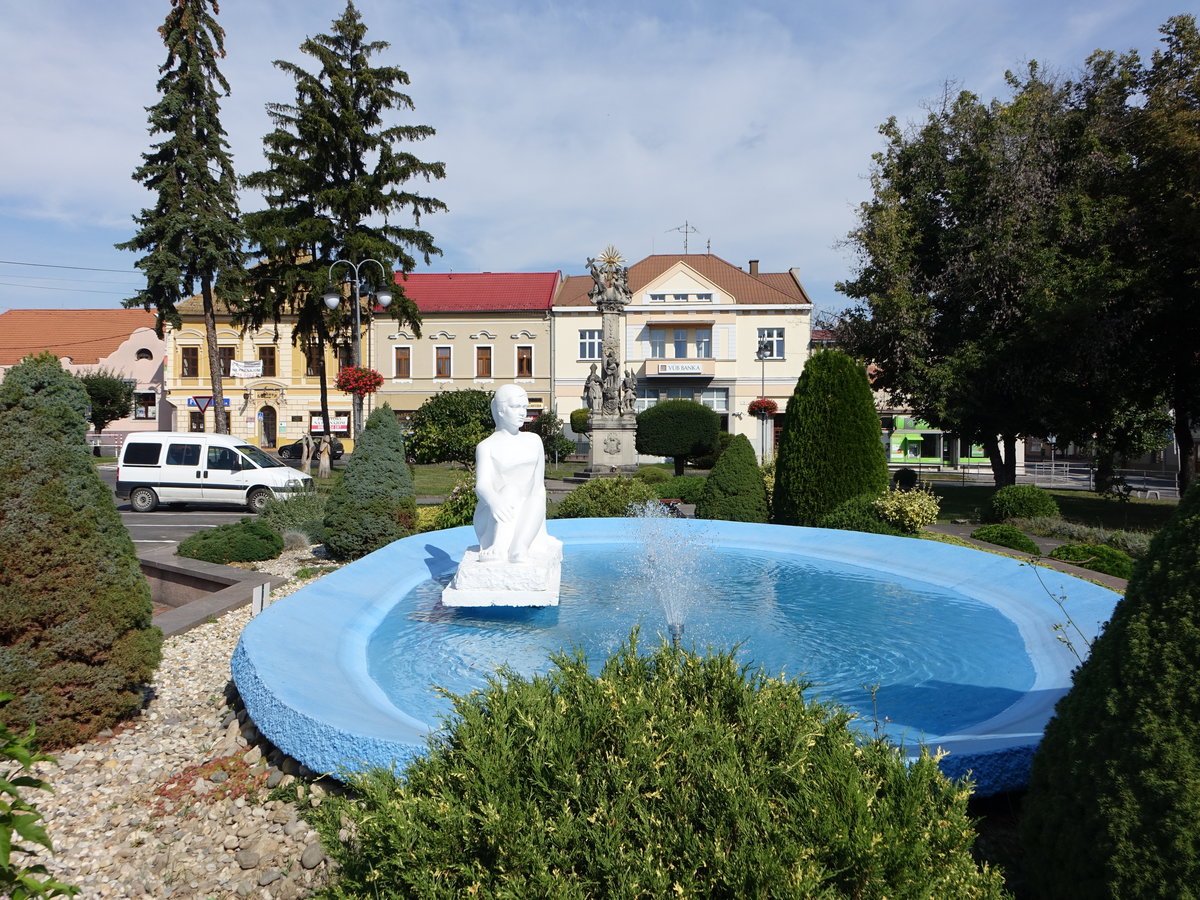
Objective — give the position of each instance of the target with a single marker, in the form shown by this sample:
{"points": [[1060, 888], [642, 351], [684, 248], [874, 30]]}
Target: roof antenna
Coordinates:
{"points": [[686, 229]]}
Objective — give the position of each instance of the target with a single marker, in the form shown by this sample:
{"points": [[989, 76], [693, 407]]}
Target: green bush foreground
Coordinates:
{"points": [[246, 541], [669, 774]]}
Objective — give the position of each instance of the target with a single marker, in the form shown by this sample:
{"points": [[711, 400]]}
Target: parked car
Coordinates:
{"points": [[295, 449], [187, 467]]}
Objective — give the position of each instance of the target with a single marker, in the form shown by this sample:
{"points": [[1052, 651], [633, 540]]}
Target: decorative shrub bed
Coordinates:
{"points": [[667, 775], [244, 541], [908, 509], [688, 488], [858, 514], [1097, 557], [605, 497], [1020, 501], [1006, 536]]}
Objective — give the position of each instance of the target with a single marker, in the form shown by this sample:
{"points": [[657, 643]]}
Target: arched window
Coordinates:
{"points": [[145, 353]]}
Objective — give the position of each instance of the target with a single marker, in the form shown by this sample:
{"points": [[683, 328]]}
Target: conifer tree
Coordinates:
{"points": [[830, 448], [735, 489], [337, 179], [76, 639], [192, 235]]}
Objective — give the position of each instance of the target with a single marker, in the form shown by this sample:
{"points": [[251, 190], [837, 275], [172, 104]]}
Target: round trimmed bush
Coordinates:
{"points": [[670, 774], [1020, 501], [604, 498], [652, 475], [857, 514], [1006, 536], [735, 490], [245, 541], [687, 488], [1097, 557]]}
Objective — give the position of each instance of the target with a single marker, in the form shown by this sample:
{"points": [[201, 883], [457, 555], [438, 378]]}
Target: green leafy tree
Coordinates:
{"points": [[548, 426], [77, 643], [110, 395], [681, 429], [447, 426], [1114, 793], [337, 181], [735, 489], [192, 235], [830, 449], [374, 503]]}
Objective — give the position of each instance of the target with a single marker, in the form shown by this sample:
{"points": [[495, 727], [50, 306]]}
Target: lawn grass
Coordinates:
{"points": [[436, 479], [966, 501]]}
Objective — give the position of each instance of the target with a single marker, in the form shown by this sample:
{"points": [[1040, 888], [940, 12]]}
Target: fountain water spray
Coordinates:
{"points": [[666, 562]]}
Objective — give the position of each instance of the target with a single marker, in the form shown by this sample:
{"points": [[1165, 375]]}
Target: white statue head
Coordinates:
{"points": [[510, 404]]}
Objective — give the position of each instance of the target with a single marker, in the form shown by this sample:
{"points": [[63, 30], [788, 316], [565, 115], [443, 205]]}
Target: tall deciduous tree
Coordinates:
{"points": [[192, 236], [338, 176], [111, 397]]}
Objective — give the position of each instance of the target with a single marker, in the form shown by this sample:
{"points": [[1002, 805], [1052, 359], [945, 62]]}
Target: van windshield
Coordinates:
{"points": [[258, 457]]}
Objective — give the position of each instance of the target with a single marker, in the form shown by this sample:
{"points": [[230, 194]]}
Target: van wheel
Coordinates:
{"points": [[143, 499], [258, 499]]}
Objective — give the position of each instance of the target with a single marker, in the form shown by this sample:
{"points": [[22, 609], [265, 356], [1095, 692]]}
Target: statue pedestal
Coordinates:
{"points": [[498, 582], [612, 451]]}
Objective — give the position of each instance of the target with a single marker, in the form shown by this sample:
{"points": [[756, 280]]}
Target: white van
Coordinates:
{"points": [[185, 467]]}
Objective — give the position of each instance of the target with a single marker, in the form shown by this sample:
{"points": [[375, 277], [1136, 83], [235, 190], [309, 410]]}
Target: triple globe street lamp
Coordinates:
{"points": [[334, 297]]}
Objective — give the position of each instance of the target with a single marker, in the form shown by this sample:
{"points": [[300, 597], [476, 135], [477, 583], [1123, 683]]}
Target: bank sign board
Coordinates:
{"points": [[680, 368]]}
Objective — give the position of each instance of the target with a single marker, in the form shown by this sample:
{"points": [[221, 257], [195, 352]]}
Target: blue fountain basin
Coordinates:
{"points": [[933, 644]]}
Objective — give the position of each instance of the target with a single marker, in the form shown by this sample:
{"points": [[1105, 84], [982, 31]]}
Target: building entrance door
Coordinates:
{"points": [[267, 426]]}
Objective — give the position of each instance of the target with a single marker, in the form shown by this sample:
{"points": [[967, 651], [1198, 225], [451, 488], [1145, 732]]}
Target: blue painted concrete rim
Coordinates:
{"points": [[301, 665]]}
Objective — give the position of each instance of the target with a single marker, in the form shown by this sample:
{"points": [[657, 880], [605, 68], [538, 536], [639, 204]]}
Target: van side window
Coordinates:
{"points": [[142, 454], [183, 455], [221, 458]]}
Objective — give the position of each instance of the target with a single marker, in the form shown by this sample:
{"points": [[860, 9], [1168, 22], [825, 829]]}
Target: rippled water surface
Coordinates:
{"points": [[939, 660]]}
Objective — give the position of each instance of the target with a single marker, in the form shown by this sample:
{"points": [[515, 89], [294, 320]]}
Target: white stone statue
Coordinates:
{"points": [[516, 563]]}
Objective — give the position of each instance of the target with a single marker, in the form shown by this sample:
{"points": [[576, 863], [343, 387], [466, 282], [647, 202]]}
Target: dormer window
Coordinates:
{"points": [[658, 298], [704, 298]]}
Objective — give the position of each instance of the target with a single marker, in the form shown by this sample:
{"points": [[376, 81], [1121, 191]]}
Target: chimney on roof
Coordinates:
{"points": [[754, 267]]}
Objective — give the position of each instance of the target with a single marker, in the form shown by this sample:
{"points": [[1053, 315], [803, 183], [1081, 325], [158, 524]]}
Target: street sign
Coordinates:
{"points": [[203, 403]]}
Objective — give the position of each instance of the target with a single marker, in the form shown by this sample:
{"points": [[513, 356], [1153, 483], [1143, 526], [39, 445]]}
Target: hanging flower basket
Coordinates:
{"points": [[358, 380], [763, 406]]}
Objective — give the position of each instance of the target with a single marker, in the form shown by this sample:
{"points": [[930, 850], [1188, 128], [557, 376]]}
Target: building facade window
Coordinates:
{"points": [[189, 362], [681, 298], [144, 353], [267, 356], [704, 343], [524, 361], [716, 399], [403, 362], [680, 393], [658, 298], [773, 340], [658, 343], [681, 343], [646, 398], [706, 298], [590, 343], [145, 405], [225, 355], [312, 360], [483, 362], [195, 421], [345, 356], [442, 362]]}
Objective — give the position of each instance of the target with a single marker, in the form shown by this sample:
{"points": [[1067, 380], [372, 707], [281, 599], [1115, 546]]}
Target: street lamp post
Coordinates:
{"points": [[332, 298], [764, 351]]}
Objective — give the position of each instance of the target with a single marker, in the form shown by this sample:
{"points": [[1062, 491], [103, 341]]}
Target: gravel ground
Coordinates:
{"points": [[174, 804]]}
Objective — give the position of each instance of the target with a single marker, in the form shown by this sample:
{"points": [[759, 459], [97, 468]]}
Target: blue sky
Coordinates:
{"points": [[564, 126]]}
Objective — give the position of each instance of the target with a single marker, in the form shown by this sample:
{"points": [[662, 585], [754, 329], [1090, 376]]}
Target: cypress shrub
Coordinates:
{"points": [[830, 449], [245, 541], [374, 503], [605, 498], [76, 639], [1114, 793], [680, 429], [668, 775], [1020, 501], [735, 490]]}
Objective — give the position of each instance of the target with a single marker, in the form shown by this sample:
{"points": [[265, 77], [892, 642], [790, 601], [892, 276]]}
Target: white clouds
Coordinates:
{"points": [[564, 126]]}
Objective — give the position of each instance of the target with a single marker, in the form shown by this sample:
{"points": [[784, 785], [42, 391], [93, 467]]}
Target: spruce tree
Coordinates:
{"points": [[76, 639], [192, 236], [735, 490], [1114, 793], [374, 503], [337, 179], [830, 448]]}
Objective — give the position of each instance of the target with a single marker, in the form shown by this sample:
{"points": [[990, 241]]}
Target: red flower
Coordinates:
{"points": [[358, 380], [763, 406]]}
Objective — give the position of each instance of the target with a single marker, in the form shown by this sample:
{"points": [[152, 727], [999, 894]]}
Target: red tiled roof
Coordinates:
{"points": [[480, 291], [764, 288], [84, 335]]}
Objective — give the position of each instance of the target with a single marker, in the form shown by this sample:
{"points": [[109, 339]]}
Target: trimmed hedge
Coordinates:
{"points": [[1020, 501], [687, 488], [734, 490], [829, 450], [605, 498], [1097, 557], [1006, 536], [245, 541], [374, 503], [1114, 792], [680, 429], [667, 775], [652, 475]]}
